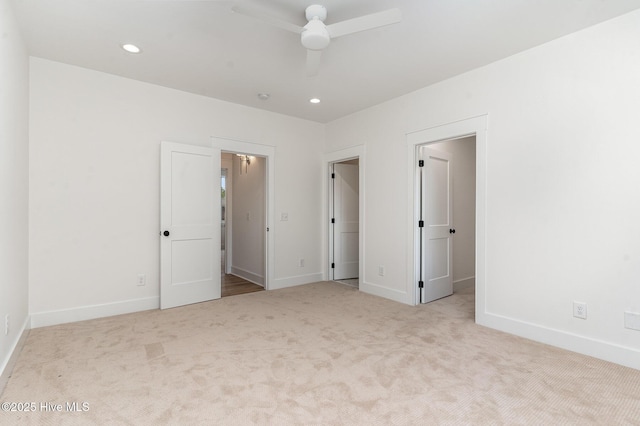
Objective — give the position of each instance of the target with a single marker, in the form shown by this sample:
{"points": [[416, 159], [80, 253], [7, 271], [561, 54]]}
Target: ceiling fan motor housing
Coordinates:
{"points": [[315, 35]]}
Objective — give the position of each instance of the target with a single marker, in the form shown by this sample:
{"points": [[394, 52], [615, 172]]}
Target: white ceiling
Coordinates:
{"points": [[203, 47]]}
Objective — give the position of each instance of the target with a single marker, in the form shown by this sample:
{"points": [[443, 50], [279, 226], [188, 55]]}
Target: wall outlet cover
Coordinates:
{"points": [[580, 310]]}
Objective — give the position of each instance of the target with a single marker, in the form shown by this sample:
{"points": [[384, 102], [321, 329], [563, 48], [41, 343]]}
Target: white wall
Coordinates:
{"points": [[561, 185], [249, 200], [464, 202], [94, 176], [14, 187], [560, 199]]}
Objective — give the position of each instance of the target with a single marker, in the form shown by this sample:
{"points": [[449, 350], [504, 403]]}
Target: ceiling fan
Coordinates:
{"points": [[316, 35]]}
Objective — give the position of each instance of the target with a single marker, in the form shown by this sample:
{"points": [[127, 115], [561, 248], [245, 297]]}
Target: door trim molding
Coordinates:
{"points": [[474, 126], [358, 152], [269, 152]]}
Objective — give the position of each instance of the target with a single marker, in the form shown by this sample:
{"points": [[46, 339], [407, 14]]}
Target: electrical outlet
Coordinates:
{"points": [[142, 279], [7, 320], [381, 271], [301, 263], [284, 216], [580, 310]]}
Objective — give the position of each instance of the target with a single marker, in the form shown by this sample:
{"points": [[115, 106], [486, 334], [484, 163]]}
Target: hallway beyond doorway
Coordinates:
{"points": [[233, 285]]}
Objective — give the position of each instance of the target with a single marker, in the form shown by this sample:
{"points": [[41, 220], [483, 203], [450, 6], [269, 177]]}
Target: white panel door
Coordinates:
{"points": [[346, 226], [190, 224], [438, 229]]}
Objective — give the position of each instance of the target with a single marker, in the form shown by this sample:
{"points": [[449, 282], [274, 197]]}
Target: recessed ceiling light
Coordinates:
{"points": [[131, 48], [263, 96], [314, 100]]}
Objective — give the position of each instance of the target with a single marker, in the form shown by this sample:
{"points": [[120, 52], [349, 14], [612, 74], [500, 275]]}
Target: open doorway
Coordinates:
{"points": [[477, 128], [268, 154], [344, 202], [243, 221]]}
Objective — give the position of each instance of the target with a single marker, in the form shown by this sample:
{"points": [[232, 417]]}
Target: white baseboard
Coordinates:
{"points": [[464, 283], [294, 281], [12, 357], [44, 319], [387, 293], [248, 275], [607, 351]]}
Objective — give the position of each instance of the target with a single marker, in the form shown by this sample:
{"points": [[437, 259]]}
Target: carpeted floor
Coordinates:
{"points": [[319, 354]]}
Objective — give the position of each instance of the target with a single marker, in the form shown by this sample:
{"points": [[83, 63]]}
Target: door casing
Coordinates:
{"points": [[474, 126], [337, 157], [268, 152]]}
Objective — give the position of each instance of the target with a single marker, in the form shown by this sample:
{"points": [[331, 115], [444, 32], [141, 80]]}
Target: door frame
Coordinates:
{"points": [[328, 160], [269, 153], [475, 126]]}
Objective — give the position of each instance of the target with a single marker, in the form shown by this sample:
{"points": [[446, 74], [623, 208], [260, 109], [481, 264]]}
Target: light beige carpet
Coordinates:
{"points": [[320, 354]]}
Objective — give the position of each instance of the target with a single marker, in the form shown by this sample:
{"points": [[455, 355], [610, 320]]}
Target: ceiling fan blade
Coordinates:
{"points": [[366, 22], [261, 16], [313, 62]]}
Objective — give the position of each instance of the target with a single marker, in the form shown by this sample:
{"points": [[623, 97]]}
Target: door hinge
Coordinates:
{"points": [[333, 220], [420, 163], [333, 175], [333, 266], [421, 224], [420, 284]]}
